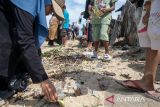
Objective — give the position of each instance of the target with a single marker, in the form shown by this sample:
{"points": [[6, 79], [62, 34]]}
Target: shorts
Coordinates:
{"points": [[100, 32], [151, 37]]}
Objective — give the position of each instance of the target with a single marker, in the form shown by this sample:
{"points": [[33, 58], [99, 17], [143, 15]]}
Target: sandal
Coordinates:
{"points": [[155, 95], [136, 86]]}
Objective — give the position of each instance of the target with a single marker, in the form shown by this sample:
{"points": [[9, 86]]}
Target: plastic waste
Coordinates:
{"points": [[59, 89]]}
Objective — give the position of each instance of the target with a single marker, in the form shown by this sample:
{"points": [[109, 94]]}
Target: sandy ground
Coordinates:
{"points": [[70, 70]]}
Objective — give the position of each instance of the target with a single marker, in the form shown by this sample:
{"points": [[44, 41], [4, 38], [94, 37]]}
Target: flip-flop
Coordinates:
{"points": [[155, 97], [136, 88], [148, 94]]}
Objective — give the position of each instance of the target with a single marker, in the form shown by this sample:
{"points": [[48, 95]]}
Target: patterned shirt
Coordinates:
{"points": [[106, 18]]}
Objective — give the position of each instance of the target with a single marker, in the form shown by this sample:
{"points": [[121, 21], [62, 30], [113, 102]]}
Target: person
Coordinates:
{"points": [[82, 29], [139, 10], [89, 33], [149, 38], [65, 26], [76, 29], [53, 28], [81, 25], [25, 26], [101, 13]]}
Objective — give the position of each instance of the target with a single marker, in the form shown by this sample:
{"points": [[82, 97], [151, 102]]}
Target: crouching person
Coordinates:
{"points": [[25, 21]]}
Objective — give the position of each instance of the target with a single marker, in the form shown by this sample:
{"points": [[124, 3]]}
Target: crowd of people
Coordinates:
{"points": [[61, 31], [23, 30]]}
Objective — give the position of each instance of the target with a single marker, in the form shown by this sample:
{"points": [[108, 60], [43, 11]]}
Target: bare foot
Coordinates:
{"points": [[138, 84]]}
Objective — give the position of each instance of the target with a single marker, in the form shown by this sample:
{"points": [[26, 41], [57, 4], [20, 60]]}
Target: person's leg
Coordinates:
{"points": [[81, 41], [64, 40], [22, 35], [106, 45], [59, 37], [51, 42], [5, 40], [105, 40], [96, 45], [152, 60], [104, 37], [147, 82], [64, 36], [89, 45], [90, 38], [152, 55], [24, 41], [96, 35], [151, 40]]}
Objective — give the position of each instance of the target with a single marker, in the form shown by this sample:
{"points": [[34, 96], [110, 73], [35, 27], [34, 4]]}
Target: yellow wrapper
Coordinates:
{"points": [[61, 103], [97, 12]]}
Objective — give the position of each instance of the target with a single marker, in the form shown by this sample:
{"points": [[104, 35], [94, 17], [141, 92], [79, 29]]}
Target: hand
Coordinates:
{"points": [[101, 13], [105, 10], [49, 91]]}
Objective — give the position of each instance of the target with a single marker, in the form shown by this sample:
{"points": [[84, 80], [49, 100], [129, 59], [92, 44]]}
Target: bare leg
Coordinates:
{"points": [[152, 61], [89, 45], [106, 45], [64, 40], [96, 45]]}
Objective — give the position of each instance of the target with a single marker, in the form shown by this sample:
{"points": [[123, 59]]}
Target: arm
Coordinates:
{"points": [[110, 9]]}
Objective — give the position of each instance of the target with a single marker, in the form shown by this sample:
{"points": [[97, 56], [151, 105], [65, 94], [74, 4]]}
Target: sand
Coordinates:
{"points": [[71, 67]]}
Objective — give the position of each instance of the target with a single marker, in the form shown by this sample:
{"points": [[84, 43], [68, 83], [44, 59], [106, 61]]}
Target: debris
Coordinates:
{"points": [[127, 76], [134, 53], [37, 94], [61, 103], [140, 74], [93, 93], [103, 83], [59, 88], [53, 52], [109, 73], [74, 74], [77, 89], [125, 47], [99, 65]]}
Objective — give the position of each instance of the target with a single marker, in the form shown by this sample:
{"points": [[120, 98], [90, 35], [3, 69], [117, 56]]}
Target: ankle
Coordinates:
{"points": [[148, 81]]}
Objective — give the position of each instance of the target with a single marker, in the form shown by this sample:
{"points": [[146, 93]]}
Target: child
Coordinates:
{"points": [[101, 23]]}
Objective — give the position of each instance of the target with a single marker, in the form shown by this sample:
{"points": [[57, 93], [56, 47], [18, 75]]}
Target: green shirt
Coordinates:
{"points": [[106, 18]]}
